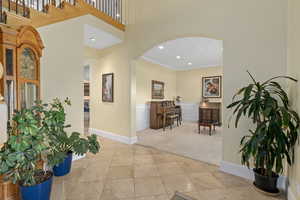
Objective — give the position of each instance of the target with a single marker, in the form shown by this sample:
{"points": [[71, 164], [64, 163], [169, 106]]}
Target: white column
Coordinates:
{"points": [[3, 122]]}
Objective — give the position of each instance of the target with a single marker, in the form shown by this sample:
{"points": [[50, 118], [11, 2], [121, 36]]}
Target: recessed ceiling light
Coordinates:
{"points": [[161, 47], [178, 57], [93, 39], [190, 63]]}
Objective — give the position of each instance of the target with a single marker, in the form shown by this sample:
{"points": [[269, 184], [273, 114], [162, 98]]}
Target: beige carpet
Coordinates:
{"points": [[186, 141]]}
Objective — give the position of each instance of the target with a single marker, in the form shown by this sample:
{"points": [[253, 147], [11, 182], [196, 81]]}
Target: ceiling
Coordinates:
{"points": [[97, 38], [187, 53]]}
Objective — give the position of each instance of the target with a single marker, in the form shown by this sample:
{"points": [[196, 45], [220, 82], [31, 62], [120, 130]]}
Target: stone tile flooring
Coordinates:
{"points": [[132, 172]]}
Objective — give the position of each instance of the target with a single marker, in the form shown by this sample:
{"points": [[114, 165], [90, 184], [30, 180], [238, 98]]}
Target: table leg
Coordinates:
{"points": [[164, 121]]}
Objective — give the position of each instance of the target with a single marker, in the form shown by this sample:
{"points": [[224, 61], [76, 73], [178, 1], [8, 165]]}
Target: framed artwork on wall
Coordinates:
{"points": [[158, 89], [212, 87], [108, 87]]}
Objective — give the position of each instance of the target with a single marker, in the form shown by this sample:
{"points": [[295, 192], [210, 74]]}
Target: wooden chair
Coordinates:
{"points": [[170, 117], [179, 113]]}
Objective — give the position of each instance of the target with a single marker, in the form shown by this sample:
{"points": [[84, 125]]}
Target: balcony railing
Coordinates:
{"points": [[112, 8]]}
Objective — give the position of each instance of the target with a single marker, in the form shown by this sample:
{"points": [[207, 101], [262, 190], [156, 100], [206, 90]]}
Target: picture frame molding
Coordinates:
{"points": [[152, 91], [112, 85], [203, 85]]}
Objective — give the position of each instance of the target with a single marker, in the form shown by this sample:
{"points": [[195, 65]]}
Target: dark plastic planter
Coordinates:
{"points": [[64, 168], [266, 183], [41, 191]]}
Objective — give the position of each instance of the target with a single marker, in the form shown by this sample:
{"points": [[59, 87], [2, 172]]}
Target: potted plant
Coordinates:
{"points": [[63, 145], [273, 139], [21, 157]]}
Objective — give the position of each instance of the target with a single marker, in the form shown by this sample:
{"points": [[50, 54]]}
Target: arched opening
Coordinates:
{"points": [[179, 81]]}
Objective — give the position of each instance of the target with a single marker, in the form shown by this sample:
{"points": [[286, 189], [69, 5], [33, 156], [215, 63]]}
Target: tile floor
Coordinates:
{"points": [[132, 172], [185, 140]]}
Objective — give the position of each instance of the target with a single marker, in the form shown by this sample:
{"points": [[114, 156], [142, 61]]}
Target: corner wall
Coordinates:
{"points": [[63, 61], [294, 89], [111, 117], [189, 83], [62, 67], [145, 73]]}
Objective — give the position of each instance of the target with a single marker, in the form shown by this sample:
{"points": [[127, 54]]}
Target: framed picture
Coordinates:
{"points": [[212, 87], [108, 87], [158, 89]]}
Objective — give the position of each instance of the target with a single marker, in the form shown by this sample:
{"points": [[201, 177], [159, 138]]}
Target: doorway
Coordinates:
{"points": [[190, 72], [86, 100]]}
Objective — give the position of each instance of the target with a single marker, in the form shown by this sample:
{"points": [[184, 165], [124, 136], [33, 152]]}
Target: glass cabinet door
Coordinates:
{"points": [[10, 80], [28, 81]]}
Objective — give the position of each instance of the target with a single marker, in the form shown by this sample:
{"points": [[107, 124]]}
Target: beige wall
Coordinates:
{"points": [[63, 61], [110, 117], [253, 34], [294, 70], [186, 84], [62, 67], [145, 73], [189, 83], [254, 38]]}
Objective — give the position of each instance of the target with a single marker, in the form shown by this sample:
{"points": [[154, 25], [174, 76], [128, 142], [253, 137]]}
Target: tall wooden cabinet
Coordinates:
{"points": [[20, 53]]}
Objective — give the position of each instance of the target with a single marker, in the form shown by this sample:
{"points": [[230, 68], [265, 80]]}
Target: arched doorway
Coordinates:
{"points": [[185, 73]]}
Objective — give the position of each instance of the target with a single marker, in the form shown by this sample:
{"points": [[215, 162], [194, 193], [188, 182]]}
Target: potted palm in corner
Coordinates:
{"points": [[273, 139], [21, 157], [63, 145]]}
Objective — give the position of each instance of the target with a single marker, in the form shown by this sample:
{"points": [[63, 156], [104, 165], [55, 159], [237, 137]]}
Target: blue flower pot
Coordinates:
{"points": [[41, 191], [64, 167]]}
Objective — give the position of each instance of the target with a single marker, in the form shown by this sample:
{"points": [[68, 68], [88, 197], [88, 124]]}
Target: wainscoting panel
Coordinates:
{"points": [[190, 112], [142, 116]]}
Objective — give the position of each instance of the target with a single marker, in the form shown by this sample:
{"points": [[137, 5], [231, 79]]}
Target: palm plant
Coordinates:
{"points": [[273, 139]]}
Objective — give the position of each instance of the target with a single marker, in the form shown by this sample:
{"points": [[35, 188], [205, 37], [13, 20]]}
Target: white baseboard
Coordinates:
{"points": [[114, 136], [77, 157], [290, 194], [244, 172]]}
